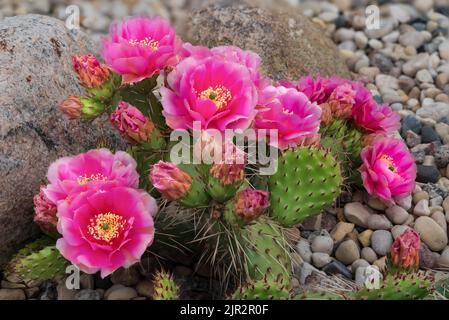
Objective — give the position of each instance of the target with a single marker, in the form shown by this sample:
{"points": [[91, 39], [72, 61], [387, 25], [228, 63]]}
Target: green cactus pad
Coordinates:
{"points": [[399, 286], [220, 192], [314, 295], [344, 140], [38, 261], [266, 251], [307, 181], [165, 287], [261, 290]]}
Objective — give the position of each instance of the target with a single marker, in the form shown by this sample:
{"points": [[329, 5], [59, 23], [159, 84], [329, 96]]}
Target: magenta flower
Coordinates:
{"points": [[216, 94], [105, 229], [131, 123], [346, 98], [140, 47], [291, 113], [246, 58], [388, 169], [374, 118], [45, 213], [71, 175]]}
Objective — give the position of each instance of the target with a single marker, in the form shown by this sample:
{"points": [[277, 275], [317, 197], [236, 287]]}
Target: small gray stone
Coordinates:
{"points": [[347, 252], [420, 61], [412, 38], [405, 203], [359, 263], [379, 222], [356, 213], [396, 231], [381, 241], [303, 249], [424, 76], [121, 293], [431, 233], [368, 254], [320, 259], [126, 276], [396, 214], [88, 294], [422, 208], [322, 244], [12, 294], [443, 260]]}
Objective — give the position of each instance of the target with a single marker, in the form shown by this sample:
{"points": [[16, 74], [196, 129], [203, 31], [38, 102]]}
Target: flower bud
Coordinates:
{"points": [[170, 180], [71, 107], [45, 213], [90, 71], [341, 100], [132, 124], [230, 169], [250, 204], [404, 253]]}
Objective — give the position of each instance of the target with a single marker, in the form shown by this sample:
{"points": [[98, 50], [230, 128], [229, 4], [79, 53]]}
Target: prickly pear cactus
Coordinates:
{"points": [[344, 140], [261, 290], [400, 286], [313, 295], [165, 287], [266, 251], [308, 180], [38, 261]]}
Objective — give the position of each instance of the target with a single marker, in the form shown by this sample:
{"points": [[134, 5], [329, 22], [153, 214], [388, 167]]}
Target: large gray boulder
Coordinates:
{"points": [[35, 76], [289, 43]]}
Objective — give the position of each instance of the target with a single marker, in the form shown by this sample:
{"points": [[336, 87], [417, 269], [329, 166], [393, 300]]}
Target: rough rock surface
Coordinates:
{"points": [[289, 43], [35, 76]]}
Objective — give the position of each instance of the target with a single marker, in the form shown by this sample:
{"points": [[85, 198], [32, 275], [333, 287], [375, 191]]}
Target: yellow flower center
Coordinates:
{"points": [[145, 42], [106, 226], [218, 95], [84, 179], [389, 161]]}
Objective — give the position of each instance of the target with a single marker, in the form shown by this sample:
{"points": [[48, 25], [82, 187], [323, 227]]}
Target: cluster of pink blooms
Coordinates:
{"points": [[93, 206], [92, 199], [222, 88]]}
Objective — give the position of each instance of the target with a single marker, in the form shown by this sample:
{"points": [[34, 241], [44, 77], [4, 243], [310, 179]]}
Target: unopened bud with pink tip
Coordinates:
{"points": [[97, 78], [91, 72], [404, 253], [249, 204], [82, 107], [131, 123], [170, 180], [45, 213]]}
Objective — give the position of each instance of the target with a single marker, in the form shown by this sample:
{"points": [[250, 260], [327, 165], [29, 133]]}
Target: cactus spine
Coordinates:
{"points": [[165, 287]]}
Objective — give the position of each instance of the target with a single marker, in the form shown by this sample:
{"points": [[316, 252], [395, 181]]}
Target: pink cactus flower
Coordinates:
{"points": [[291, 113], [346, 98], [388, 169], [107, 228], [71, 175], [404, 253], [131, 123], [91, 72], [246, 58], [374, 118], [230, 168], [170, 180], [216, 94], [250, 203], [45, 213], [140, 47]]}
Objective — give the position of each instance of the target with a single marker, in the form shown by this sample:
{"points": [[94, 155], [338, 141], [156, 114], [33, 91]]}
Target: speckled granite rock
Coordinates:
{"points": [[289, 43], [35, 76]]}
